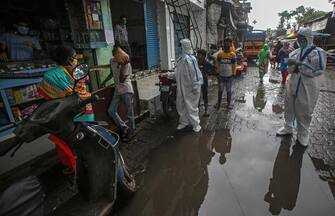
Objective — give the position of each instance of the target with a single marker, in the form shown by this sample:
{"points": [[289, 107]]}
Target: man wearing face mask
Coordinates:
{"points": [[121, 35], [58, 83], [306, 66], [18, 46], [189, 80]]}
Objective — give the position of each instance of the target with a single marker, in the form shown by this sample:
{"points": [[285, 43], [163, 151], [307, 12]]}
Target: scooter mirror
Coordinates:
{"points": [[80, 72]]}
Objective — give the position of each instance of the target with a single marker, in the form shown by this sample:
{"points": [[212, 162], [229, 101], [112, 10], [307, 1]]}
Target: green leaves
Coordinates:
{"points": [[299, 16]]}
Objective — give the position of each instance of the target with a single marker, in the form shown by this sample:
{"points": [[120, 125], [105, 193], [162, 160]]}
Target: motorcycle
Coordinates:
{"points": [[100, 169], [168, 89]]}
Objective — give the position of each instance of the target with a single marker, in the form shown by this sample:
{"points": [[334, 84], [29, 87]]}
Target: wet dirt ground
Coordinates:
{"points": [[235, 166]]}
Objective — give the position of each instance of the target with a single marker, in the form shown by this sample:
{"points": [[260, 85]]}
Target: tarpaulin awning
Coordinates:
{"points": [[319, 25], [293, 35]]}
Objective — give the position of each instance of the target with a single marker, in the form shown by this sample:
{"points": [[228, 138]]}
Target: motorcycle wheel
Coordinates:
{"points": [[128, 184], [169, 106]]}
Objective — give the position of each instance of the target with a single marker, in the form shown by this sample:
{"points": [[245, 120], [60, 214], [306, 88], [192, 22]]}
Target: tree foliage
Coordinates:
{"points": [[301, 15]]}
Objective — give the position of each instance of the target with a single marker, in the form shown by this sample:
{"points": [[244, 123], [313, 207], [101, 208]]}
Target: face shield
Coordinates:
{"points": [[302, 41], [305, 37], [186, 46]]}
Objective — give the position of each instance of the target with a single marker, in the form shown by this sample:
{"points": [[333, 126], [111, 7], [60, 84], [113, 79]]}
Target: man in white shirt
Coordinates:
{"points": [[124, 92]]}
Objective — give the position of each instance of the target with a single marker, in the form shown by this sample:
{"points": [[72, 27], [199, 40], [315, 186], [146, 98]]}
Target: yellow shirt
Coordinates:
{"points": [[226, 64]]}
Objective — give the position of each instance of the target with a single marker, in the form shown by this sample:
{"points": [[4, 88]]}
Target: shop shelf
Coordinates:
{"points": [[37, 70], [28, 101], [10, 83]]}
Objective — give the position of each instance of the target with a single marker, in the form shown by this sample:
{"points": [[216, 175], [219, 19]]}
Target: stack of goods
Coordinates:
{"points": [[25, 70], [23, 113], [25, 93], [26, 112], [16, 113], [23, 101]]}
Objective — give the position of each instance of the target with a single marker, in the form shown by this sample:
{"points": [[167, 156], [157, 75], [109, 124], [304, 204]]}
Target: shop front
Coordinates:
{"points": [[142, 31], [81, 24], [30, 30], [85, 25]]}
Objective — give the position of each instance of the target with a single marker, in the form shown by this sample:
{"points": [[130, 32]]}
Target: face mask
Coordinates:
{"points": [[72, 64], [302, 43], [24, 30]]}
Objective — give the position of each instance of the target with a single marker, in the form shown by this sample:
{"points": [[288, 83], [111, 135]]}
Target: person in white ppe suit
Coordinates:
{"points": [[306, 66], [189, 80]]}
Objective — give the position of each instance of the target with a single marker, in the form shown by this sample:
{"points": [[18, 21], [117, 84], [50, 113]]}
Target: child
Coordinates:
{"points": [[124, 92], [226, 69], [282, 55], [206, 69]]}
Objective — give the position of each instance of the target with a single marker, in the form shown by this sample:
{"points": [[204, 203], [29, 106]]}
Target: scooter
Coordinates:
{"points": [[168, 88], [100, 168]]}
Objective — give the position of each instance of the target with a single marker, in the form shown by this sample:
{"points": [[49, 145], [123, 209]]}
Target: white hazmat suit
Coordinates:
{"points": [[303, 87], [189, 81]]}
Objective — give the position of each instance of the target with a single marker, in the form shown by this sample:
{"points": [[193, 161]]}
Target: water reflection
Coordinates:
{"points": [[177, 180], [222, 144], [277, 106], [260, 100], [285, 181]]}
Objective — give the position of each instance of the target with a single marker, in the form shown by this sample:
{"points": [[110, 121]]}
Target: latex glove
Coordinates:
{"points": [[293, 62]]}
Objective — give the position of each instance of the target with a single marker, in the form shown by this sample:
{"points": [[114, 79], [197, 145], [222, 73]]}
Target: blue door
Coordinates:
{"points": [[151, 32]]}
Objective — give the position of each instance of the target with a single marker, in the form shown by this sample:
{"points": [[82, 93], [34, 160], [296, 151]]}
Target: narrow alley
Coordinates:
{"points": [[237, 165]]}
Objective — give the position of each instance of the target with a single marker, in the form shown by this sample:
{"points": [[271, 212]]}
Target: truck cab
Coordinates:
{"points": [[253, 42]]}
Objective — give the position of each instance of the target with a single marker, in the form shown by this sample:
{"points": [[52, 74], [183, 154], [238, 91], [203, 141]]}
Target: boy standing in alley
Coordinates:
{"points": [[207, 69], [124, 92], [226, 69]]}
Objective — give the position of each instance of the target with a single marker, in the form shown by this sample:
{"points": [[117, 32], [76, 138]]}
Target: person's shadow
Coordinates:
{"points": [[222, 144], [285, 181]]}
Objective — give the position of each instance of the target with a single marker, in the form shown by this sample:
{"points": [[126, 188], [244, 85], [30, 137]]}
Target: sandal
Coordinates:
{"points": [[128, 136], [124, 132]]}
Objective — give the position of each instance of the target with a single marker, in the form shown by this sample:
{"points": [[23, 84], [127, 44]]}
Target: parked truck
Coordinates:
{"points": [[252, 43]]}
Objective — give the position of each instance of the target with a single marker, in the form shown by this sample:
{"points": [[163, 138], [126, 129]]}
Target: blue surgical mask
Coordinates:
{"points": [[24, 30]]}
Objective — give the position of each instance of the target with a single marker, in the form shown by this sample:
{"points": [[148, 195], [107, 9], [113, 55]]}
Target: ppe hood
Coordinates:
{"points": [[186, 46]]}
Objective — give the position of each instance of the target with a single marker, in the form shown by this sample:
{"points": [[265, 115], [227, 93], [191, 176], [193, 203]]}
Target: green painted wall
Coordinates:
{"points": [[103, 54]]}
